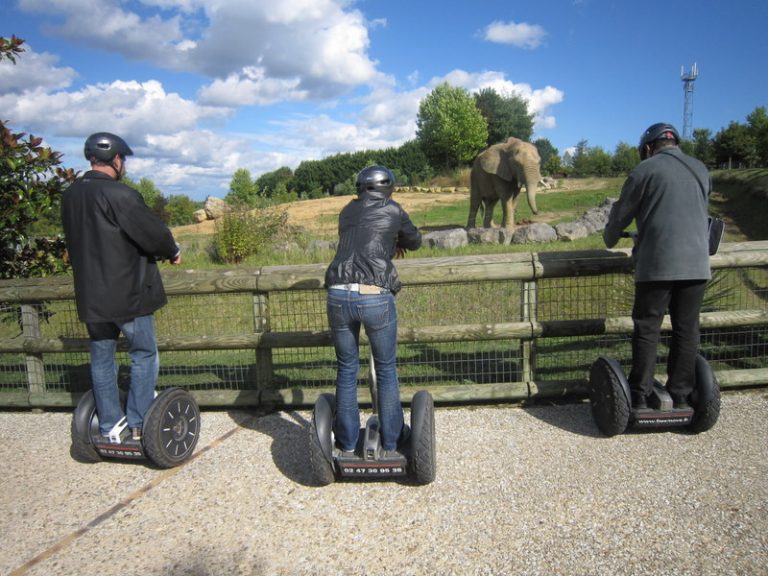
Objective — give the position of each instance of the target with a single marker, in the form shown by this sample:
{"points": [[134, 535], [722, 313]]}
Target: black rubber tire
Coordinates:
{"points": [[423, 460], [82, 449], [705, 398], [171, 428], [610, 407], [322, 467]]}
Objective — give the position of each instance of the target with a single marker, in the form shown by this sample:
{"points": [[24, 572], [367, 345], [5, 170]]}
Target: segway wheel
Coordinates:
{"points": [[608, 397], [320, 440], [171, 428], [423, 461], [705, 398], [82, 420]]}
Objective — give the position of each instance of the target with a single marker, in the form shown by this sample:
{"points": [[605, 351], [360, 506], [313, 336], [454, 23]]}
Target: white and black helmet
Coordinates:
{"points": [[376, 179], [104, 146]]}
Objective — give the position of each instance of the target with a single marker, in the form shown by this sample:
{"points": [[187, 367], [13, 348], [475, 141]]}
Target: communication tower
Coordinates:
{"points": [[688, 79]]}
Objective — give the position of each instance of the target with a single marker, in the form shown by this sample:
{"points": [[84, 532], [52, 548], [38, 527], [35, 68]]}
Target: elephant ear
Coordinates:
{"points": [[495, 160]]}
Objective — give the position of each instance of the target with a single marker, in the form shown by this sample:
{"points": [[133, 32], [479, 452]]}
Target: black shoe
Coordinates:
{"points": [[680, 403], [405, 436], [639, 401]]}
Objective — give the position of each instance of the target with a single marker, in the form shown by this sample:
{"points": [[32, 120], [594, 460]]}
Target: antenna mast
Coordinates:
{"points": [[688, 79]]}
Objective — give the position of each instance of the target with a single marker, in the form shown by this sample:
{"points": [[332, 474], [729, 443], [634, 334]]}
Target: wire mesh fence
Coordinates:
{"points": [[448, 360]]}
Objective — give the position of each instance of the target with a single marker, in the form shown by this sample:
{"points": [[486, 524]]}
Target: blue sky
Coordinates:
{"points": [[200, 88]]}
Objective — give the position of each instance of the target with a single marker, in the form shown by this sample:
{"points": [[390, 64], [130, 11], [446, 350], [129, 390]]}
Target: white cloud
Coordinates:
{"points": [[34, 70], [130, 109], [522, 35]]}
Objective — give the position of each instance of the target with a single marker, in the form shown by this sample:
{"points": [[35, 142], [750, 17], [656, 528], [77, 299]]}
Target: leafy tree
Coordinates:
{"points": [[505, 116], [31, 184], [757, 126], [579, 159], [702, 146], [179, 210], [243, 233], [242, 189], [625, 158], [735, 147], [269, 183], [450, 128], [546, 152]]}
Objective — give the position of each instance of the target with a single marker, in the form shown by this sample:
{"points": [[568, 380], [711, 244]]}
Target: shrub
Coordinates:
{"points": [[240, 233]]}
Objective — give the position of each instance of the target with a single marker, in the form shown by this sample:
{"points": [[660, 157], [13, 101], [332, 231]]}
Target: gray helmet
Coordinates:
{"points": [[658, 131], [376, 179], [104, 146]]}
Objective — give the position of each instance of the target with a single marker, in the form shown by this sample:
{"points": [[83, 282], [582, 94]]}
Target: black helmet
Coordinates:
{"points": [[104, 146], [658, 131], [376, 179]]}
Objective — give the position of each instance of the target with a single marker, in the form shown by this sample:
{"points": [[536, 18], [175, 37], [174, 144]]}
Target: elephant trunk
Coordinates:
{"points": [[532, 177]]}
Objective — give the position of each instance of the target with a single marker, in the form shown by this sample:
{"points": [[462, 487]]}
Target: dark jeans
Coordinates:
{"points": [[347, 312], [652, 299]]}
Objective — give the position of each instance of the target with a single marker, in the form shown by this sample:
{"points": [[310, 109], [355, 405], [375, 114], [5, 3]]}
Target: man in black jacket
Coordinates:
{"points": [[114, 241], [362, 283]]}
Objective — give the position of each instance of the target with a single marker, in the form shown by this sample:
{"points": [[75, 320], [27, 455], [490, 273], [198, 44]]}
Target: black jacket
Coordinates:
{"points": [[113, 239], [371, 228]]}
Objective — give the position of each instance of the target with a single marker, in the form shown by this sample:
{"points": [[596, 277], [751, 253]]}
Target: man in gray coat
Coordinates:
{"points": [[666, 195], [114, 241]]}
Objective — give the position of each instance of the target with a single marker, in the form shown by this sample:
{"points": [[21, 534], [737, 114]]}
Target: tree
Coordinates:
{"points": [[550, 157], [735, 147], [270, 184], [757, 126], [505, 116], [242, 190], [702, 146], [179, 210], [31, 184], [625, 158], [449, 127]]}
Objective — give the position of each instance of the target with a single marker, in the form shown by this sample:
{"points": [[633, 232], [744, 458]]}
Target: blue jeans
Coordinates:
{"points": [[347, 311], [145, 366]]}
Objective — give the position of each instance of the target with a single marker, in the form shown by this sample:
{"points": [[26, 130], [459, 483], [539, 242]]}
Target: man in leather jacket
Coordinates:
{"points": [[667, 196], [114, 241], [362, 283]]}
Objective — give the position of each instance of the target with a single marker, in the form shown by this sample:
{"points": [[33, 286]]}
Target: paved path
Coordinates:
{"points": [[518, 491]]}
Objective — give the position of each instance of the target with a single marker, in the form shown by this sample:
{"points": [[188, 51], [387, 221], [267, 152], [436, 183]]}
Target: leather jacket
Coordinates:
{"points": [[114, 240], [371, 228]]}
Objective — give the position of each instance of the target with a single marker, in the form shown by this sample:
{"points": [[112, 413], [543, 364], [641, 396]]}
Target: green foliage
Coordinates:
{"points": [[735, 147], [10, 48], [450, 127], [505, 116], [625, 158], [241, 233], [276, 183], [179, 210], [242, 189], [702, 146]]}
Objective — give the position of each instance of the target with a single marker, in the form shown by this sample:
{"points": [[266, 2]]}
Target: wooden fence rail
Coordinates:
{"points": [[29, 295]]}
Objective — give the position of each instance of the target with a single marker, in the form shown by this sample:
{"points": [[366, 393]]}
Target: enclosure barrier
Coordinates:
{"points": [[504, 327]]}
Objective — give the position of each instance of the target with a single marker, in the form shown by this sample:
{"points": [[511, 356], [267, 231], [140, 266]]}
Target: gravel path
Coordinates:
{"points": [[518, 491]]}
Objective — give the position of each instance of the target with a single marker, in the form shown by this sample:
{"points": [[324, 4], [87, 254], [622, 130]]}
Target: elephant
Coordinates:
{"points": [[498, 173]]}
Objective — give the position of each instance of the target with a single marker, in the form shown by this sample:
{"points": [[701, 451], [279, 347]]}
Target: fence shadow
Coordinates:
{"points": [[572, 418]]}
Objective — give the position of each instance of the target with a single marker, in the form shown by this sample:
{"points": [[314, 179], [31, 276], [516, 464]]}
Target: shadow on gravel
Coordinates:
{"points": [[574, 418], [290, 441]]}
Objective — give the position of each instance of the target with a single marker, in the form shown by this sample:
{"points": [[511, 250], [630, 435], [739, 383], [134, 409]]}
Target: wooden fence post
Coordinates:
{"points": [[528, 347], [30, 325], [261, 324]]}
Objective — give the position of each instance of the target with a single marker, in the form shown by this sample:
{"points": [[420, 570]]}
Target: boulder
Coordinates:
{"points": [[570, 231], [215, 207], [454, 238], [535, 233], [200, 215]]}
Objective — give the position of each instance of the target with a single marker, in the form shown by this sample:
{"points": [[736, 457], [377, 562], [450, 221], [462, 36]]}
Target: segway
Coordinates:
{"points": [[415, 459], [612, 409], [168, 438]]}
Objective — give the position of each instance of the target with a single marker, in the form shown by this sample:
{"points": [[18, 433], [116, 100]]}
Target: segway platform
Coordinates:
{"points": [[415, 459], [169, 435], [611, 401]]}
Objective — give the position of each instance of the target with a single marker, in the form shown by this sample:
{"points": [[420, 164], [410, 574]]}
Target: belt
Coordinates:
{"points": [[361, 288]]}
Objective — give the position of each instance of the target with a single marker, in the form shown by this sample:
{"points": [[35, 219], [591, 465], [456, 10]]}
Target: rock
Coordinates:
{"points": [[200, 215], [483, 235], [215, 207], [323, 245], [454, 238], [570, 231], [535, 233]]}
